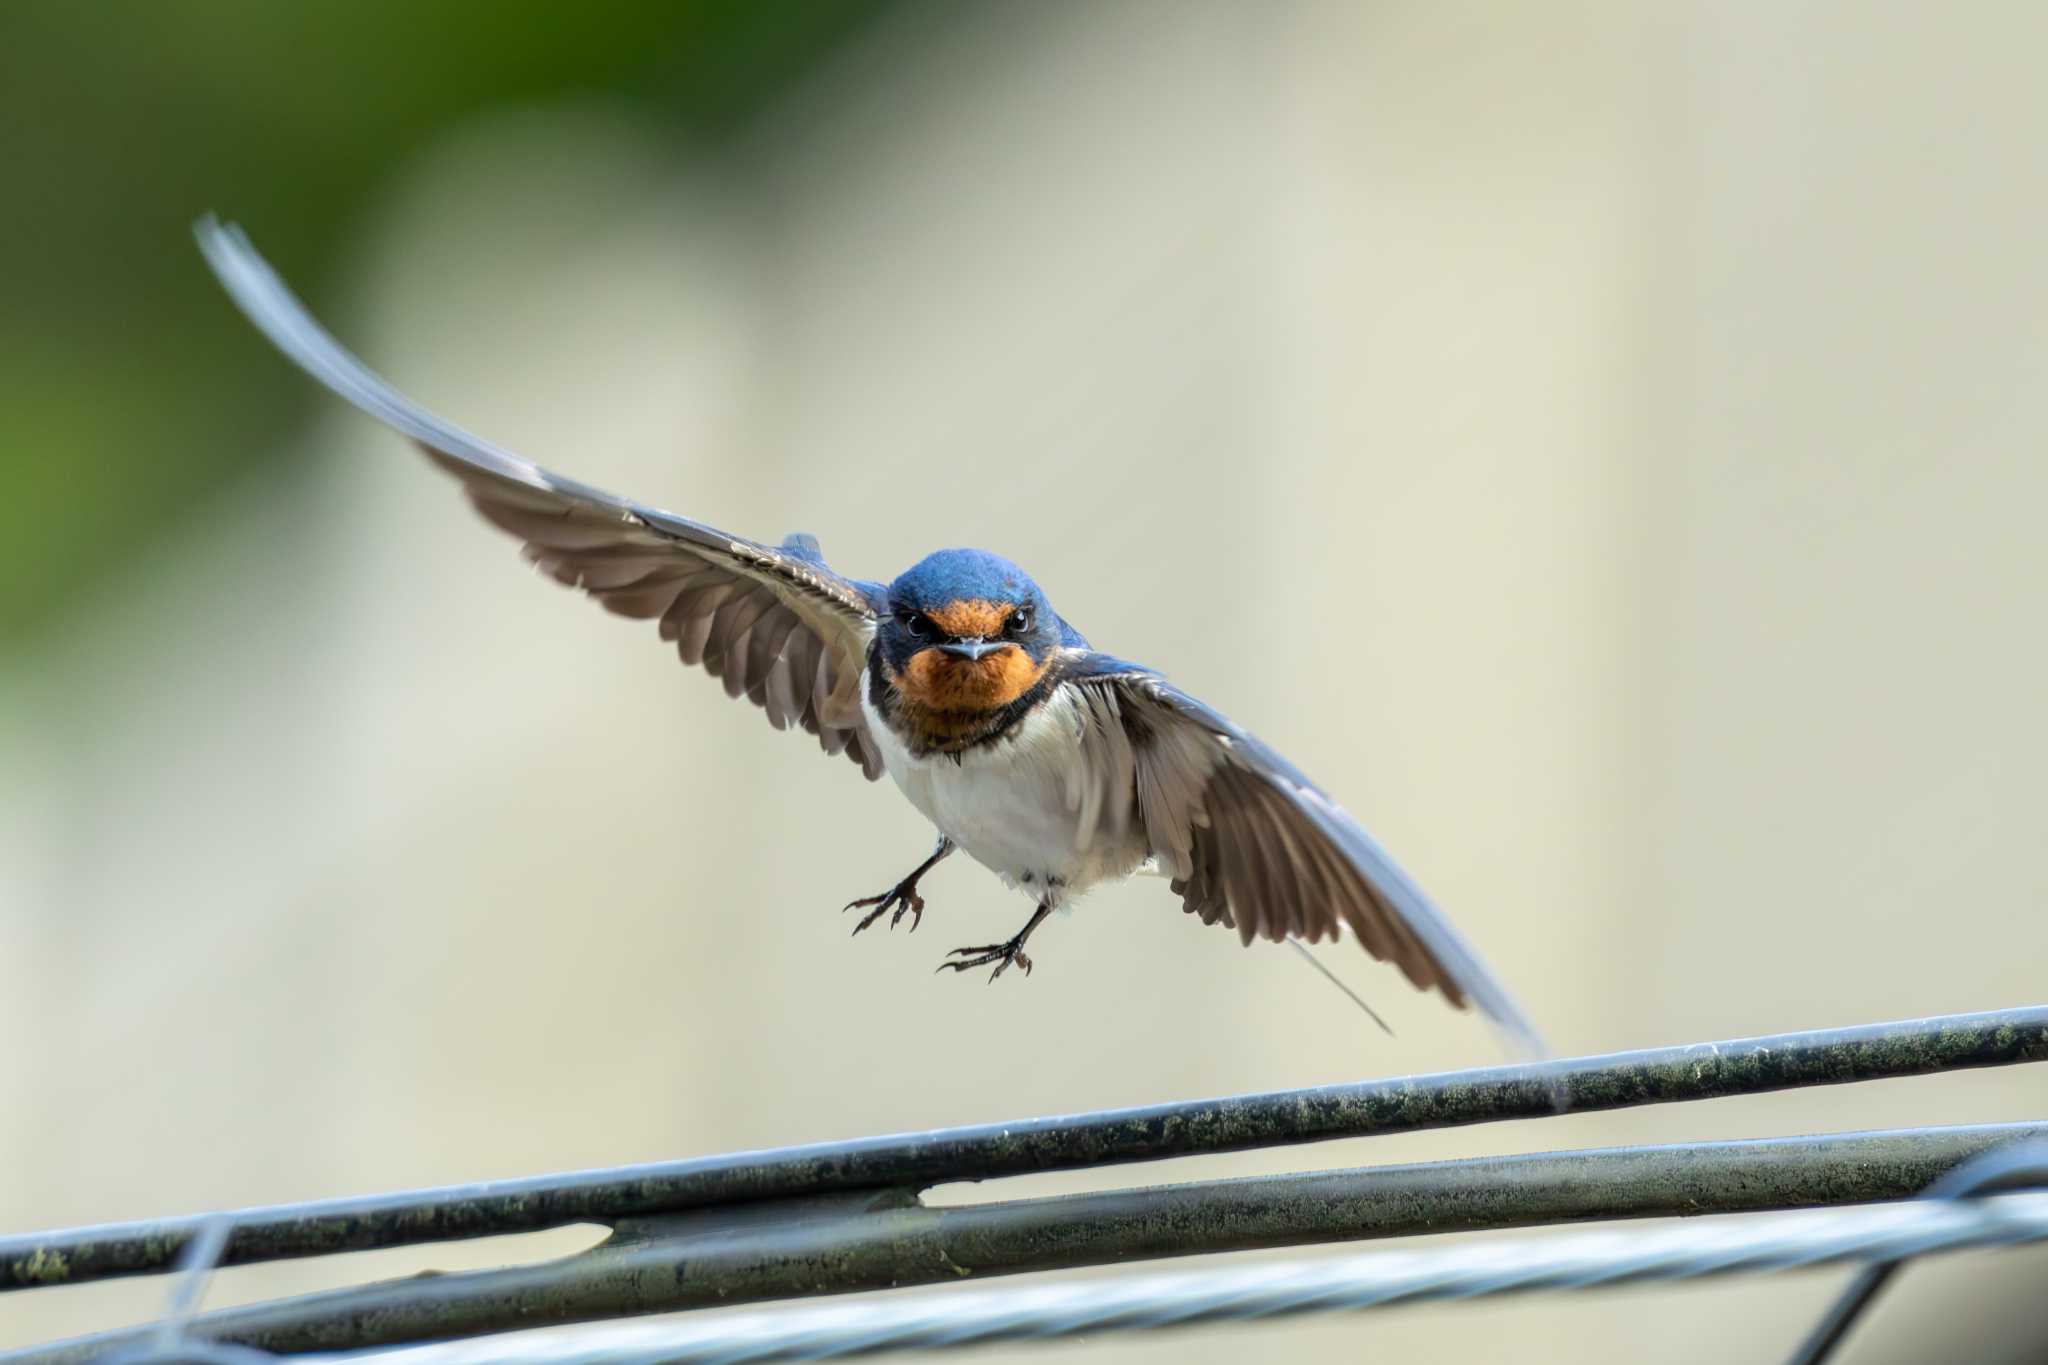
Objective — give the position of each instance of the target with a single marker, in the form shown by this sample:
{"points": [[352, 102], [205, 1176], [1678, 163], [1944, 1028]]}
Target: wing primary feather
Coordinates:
{"points": [[1267, 907], [1285, 897], [1243, 870]]}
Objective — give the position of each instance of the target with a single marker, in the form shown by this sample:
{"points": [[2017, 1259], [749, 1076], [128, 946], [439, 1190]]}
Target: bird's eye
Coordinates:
{"points": [[1020, 621], [916, 624]]}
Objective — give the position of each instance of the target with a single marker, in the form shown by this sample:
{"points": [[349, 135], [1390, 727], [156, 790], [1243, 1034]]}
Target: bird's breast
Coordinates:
{"points": [[1032, 806]]}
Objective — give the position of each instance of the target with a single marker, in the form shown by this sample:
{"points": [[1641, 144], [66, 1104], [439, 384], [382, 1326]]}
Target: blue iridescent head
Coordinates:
{"points": [[966, 631]]}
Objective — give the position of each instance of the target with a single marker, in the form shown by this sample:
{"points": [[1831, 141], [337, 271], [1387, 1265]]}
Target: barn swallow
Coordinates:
{"points": [[1054, 765]]}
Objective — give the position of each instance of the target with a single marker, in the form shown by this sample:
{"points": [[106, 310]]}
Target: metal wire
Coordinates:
{"points": [[910, 1161], [1247, 1293], [1312, 960], [171, 1342], [847, 1243], [747, 1225], [195, 1271], [2018, 1166]]}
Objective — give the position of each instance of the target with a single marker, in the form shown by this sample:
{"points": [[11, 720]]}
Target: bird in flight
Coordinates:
{"points": [[1055, 766]]}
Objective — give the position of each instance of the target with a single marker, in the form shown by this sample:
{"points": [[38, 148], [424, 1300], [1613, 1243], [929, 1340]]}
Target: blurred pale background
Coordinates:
{"points": [[1604, 442]]}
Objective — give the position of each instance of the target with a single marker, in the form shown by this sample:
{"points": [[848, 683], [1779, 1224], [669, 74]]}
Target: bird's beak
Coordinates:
{"points": [[969, 649]]}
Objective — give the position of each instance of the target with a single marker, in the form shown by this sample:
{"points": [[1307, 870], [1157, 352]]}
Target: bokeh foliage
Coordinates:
{"points": [[123, 394]]}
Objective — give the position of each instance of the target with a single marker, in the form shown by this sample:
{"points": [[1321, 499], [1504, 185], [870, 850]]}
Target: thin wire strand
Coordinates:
{"points": [[196, 1265], [2018, 1166], [1338, 982], [171, 1342], [1245, 1293]]}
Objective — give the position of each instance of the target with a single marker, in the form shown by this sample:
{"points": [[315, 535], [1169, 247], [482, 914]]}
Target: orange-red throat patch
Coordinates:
{"points": [[939, 681]]}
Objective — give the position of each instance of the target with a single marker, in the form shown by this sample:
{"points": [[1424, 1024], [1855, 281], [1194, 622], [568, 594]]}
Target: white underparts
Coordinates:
{"points": [[1038, 807]]}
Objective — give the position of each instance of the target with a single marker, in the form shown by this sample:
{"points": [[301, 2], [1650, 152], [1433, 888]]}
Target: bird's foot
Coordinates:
{"points": [[901, 898], [1002, 954]]}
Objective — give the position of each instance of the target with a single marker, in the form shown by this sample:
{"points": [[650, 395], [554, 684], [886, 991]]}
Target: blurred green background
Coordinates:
{"points": [[123, 376]]}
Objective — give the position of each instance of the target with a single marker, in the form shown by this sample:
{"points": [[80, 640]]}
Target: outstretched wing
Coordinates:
{"points": [[1251, 843], [774, 622]]}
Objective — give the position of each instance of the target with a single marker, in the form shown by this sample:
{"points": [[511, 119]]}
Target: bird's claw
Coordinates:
{"points": [[1002, 954], [901, 898]]}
